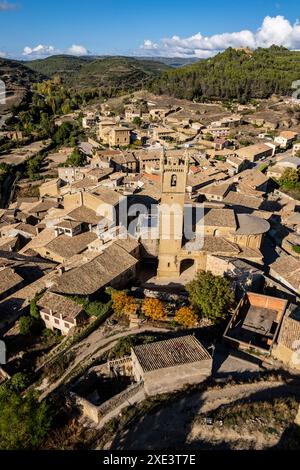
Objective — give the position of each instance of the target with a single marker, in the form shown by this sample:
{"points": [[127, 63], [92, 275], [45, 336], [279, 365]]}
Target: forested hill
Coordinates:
{"points": [[18, 80], [120, 73], [233, 74]]}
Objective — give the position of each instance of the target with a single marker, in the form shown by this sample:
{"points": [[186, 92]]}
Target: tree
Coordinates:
{"points": [[26, 325], [76, 159], [209, 137], [211, 296], [154, 309], [131, 308], [32, 324], [137, 121], [33, 166], [290, 177], [4, 170], [186, 316], [24, 422], [123, 304]]}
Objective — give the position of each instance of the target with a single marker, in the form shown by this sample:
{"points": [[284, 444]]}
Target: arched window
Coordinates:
{"points": [[174, 181]]}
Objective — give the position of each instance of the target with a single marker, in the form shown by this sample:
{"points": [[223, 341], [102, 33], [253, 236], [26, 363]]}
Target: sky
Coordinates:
{"points": [[172, 28]]}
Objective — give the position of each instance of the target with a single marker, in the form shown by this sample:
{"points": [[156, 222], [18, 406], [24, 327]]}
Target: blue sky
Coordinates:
{"points": [[157, 27]]}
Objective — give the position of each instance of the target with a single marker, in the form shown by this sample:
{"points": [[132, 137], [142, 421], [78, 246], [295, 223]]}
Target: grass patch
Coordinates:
{"points": [[268, 416]]}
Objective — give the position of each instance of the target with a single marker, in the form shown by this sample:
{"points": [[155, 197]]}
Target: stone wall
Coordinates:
{"points": [[285, 355], [111, 408], [174, 378]]}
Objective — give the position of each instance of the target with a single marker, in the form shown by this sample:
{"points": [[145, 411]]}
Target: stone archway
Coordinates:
{"points": [[187, 265]]}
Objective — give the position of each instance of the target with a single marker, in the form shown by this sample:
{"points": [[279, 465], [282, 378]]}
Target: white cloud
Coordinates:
{"points": [[42, 51], [39, 51], [4, 6], [77, 49], [274, 30], [3, 54]]}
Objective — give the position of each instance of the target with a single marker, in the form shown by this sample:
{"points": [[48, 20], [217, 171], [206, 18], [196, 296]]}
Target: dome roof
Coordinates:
{"points": [[251, 225]]}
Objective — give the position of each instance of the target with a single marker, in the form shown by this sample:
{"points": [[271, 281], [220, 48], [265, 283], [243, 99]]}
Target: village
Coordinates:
{"points": [[98, 299]]}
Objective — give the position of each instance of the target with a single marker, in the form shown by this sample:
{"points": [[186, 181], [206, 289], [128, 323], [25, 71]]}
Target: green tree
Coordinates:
{"points": [[26, 325], [76, 159], [24, 422], [34, 166], [137, 121], [290, 177], [211, 296], [32, 324], [209, 137]]}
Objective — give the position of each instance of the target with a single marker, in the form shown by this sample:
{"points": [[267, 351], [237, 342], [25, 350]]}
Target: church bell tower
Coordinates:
{"points": [[174, 173]]}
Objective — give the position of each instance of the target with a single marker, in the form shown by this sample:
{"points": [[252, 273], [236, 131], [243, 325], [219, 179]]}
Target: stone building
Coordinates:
{"points": [[174, 177], [168, 365], [59, 312], [287, 348], [256, 323], [184, 243], [119, 137]]}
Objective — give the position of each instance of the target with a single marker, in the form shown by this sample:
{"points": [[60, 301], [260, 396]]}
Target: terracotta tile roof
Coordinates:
{"points": [[84, 214], [41, 240], [220, 218], [108, 196], [288, 268], [95, 273], [290, 330], [43, 206], [67, 247], [170, 353], [60, 306], [8, 279], [238, 199]]}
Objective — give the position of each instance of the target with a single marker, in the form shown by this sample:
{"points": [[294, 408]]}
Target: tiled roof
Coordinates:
{"points": [[8, 279], [67, 247], [96, 273], [170, 353], [60, 306]]}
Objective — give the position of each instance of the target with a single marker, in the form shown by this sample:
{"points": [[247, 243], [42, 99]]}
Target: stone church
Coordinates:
{"points": [[188, 241]]}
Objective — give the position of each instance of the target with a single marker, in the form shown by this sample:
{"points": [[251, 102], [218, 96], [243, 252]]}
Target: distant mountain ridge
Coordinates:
{"points": [[233, 74]]}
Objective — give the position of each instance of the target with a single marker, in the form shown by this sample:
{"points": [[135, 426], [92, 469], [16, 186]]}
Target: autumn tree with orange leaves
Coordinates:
{"points": [[154, 309], [186, 317], [123, 304]]}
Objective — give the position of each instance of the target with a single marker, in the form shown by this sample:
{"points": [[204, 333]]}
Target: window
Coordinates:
{"points": [[174, 181]]}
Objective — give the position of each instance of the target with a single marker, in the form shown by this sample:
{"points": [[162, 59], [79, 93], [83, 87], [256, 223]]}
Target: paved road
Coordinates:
{"points": [[275, 159]]}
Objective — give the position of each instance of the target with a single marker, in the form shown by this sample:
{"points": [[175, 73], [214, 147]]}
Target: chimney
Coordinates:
{"points": [[61, 270]]}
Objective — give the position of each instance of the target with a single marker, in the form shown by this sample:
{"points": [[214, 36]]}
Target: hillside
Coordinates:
{"points": [[18, 80], [63, 65], [233, 74], [88, 72], [173, 62]]}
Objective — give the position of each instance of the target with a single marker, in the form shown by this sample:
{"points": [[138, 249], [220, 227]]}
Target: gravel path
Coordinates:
{"points": [[174, 424], [93, 346]]}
